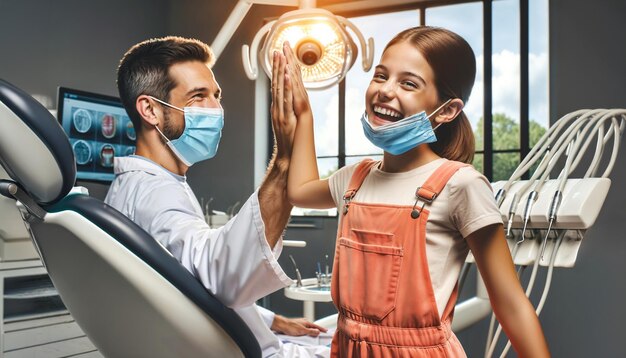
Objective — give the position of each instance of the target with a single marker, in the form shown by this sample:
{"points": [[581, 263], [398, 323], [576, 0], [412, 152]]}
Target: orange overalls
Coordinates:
{"points": [[381, 284]]}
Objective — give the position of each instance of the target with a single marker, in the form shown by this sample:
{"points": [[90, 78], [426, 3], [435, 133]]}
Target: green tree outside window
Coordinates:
{"points": [[505, 135]]}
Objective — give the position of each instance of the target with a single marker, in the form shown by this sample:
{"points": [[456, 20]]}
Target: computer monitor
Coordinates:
{"points": [[98, 128]]}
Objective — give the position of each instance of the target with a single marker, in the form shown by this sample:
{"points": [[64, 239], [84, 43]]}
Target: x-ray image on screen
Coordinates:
{"points": [[99, 130]]}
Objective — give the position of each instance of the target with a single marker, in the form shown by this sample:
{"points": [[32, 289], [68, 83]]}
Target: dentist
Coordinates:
{"points": [[170, 94]]}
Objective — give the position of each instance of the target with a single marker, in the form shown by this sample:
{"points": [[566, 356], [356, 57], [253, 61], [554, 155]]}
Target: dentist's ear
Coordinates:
{"points": [[147, 110], [449, 111]]}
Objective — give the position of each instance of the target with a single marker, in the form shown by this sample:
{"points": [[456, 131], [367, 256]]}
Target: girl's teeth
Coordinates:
{"points": [[387, 112]]}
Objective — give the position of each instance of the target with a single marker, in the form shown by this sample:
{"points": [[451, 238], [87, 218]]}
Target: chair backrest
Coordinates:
{"points": [[129, 295]]}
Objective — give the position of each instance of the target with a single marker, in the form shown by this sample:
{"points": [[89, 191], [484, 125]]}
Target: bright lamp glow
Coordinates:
{"points": [[320, 42], [322, 46]]}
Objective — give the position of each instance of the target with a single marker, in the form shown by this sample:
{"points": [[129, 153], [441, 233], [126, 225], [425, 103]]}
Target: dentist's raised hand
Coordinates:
{"points": [[273, 200], [283, 116]]}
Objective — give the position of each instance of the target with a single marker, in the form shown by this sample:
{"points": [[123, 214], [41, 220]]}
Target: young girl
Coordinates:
{"points": [[406, 223]]}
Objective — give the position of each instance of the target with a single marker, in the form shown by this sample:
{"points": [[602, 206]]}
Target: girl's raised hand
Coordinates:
{"points": [[300, 97]]}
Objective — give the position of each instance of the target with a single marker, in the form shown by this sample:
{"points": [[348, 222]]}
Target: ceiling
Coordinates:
{"points": [[366, 6]]}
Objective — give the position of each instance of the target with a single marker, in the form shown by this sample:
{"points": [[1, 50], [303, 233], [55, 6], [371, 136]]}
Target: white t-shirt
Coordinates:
{"points": [[465, 205]]}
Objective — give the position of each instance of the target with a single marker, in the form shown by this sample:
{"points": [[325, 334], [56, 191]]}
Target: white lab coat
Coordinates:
{"points": [[234, 262]]}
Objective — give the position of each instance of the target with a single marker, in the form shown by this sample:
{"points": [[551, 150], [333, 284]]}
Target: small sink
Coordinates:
{"points": [[309, 291]]}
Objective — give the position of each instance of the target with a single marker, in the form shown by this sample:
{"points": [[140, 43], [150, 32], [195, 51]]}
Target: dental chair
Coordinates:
{"points": [[127, 293]]}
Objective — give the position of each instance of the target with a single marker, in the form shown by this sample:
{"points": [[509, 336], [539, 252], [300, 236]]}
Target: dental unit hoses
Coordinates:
{"points": [[546, 288]]}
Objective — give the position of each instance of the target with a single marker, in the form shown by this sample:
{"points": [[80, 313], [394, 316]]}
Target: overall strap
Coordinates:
{"points": [[429, 191], [438, 180], [357, 179]]}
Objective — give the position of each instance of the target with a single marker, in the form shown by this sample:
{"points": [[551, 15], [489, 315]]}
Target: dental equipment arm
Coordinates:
{"points": [[569, 139], [236, 17]]}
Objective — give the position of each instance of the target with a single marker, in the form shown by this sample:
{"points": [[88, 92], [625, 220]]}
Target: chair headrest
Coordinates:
{"points": [[34, 149]]}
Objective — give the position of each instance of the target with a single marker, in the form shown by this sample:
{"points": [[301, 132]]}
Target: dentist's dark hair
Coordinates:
{"points": [[144, 69], [454, 66]]}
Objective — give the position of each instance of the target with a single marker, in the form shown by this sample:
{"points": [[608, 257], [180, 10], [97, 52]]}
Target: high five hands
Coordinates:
{"points": [[300, 97], [289, 98]]}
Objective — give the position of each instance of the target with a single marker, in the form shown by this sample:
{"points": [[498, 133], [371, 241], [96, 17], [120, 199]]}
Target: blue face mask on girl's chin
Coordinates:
{"points": [[201, 137], [401, 136]]}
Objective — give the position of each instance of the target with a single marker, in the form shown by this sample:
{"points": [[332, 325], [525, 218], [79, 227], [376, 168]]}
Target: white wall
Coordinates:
{"points": [[73, 43]]}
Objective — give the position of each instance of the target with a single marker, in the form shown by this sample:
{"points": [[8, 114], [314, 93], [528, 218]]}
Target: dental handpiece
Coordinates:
{"points": [[511, 214], [500, 196], [298, 276], [554, 207], [527, 210]]}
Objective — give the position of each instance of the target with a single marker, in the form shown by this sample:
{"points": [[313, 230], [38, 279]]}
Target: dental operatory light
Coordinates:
{"points": [[321, 41]]}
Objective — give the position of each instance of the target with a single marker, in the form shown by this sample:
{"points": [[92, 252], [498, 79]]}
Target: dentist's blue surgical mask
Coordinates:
{"points": [[201, 137], [401, 136]]}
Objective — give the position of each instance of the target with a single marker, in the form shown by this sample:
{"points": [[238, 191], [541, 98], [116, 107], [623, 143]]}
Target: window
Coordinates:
{"points": [[516, 99], [471, 29], [325, 105]]}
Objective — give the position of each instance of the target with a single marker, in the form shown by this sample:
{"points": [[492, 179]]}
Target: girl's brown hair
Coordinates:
{"points": [[454, 65]]}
